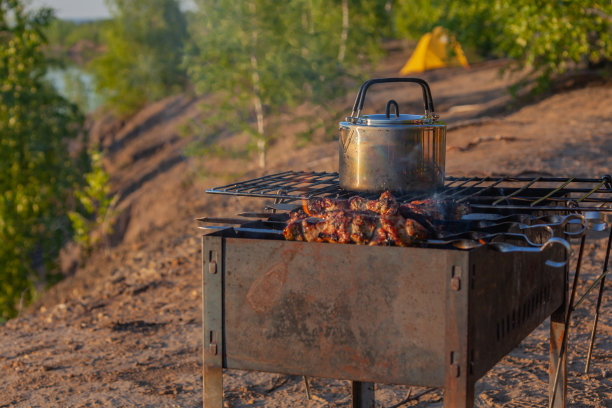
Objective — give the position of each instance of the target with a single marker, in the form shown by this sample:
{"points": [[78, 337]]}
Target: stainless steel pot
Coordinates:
{"points": [[392, 151]]}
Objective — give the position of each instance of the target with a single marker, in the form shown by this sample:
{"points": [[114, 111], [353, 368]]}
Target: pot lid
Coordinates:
{"points": [[390, 120]]}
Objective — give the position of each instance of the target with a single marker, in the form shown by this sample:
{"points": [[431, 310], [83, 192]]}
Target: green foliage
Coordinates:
{"points": [[66, 33], [263, 56], [63, 35], [38, 174], [413, 18], [549, 37], [144, 51], [553, 37], [94, 206]]}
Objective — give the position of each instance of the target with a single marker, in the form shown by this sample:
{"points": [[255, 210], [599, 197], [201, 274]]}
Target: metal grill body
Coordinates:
{"points": [[414, 316], [431, 316]]}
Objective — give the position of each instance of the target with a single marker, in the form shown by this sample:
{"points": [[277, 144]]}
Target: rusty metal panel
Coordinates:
{"points": [[458, 383], [372, 314], [510, 295], [212, 321]]}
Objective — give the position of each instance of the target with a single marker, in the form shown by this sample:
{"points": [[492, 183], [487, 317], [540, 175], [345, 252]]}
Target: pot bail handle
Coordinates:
{"points": [[360, 100], [388, 108]]}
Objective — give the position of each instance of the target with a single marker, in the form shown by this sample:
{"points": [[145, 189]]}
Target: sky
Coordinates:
{"points": [[81, 9], [75, 9]]}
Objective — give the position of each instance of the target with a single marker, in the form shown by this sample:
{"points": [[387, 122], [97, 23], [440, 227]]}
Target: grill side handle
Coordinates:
{"points": [[506, 248]]}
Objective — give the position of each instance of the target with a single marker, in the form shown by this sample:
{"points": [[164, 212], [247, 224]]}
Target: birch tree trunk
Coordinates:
{"points": [[344, 34], [261, 141], [259, 113]]}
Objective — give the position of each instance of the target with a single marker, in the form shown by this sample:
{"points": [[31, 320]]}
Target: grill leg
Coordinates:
{"points": [[213, 387], [212, 321], [557, 329], [458, 381], [459, 393], [363, 394]]}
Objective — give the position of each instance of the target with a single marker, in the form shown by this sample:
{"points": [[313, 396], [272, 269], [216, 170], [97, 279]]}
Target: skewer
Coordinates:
{"points": [[238, 229], [596, 319], [255, 214], [307, 386], [237, 221], [568, 315]]}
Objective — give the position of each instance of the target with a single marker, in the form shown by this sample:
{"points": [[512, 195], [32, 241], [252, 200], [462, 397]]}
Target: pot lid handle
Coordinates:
{"points": [[388, 108], [359, 101]]}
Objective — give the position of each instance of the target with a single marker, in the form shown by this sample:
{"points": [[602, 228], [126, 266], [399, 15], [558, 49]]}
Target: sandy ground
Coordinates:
{"points": [[125, 329]]}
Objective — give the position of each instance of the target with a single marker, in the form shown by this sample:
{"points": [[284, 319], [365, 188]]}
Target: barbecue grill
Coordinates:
{"points": [[438, 314]]}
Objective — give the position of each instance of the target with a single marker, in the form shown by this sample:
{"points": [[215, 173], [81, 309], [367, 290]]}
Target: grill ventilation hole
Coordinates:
{"points": [[516, 318]]}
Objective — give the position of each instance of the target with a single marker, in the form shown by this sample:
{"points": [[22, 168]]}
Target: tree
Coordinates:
{"points": [[39, 171], [262, 56], [554, 37], [144, 52], [549, 37]]}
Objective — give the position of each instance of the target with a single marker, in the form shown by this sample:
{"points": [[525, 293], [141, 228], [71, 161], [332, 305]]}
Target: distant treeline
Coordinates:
{"points": [[151, 49], [64, 35]]}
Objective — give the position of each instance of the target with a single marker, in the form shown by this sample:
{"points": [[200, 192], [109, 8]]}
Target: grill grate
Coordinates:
{"points": [[485, 193]]}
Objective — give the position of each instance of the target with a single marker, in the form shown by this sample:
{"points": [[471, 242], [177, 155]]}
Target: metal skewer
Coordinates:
{"points": [[568, 315], [307, 387], [596, 319]]}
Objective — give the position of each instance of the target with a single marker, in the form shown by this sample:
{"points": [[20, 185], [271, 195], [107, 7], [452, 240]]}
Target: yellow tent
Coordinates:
{"points": [[431, 53]]}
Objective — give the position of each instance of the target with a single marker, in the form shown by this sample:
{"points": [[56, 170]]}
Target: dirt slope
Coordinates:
{"points": [[125, 330]]}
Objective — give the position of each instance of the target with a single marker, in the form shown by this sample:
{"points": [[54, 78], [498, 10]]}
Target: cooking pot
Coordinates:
{"points": [[392, 151]]}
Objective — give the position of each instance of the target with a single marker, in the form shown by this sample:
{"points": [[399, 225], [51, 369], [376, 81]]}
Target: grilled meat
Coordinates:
{"points": [[317, 205], [357, 203], [415, 231], [293, 230], [362, 228], [385, 205], [312, 227], [368, 222]]}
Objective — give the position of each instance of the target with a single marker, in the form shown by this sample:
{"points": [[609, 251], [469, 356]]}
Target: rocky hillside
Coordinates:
{"points": [[125, 328]]}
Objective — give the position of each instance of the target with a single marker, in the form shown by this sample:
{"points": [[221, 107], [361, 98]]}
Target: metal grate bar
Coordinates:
{"points": [[456, 193], [486, 193], [540, 208], [483, 190], [448, 192], [526, 186], [536, 202], [542, 179], [597, 187]]}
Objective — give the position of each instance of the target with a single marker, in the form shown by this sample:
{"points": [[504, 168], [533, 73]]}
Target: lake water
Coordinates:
{"points": [[77, 86]]}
